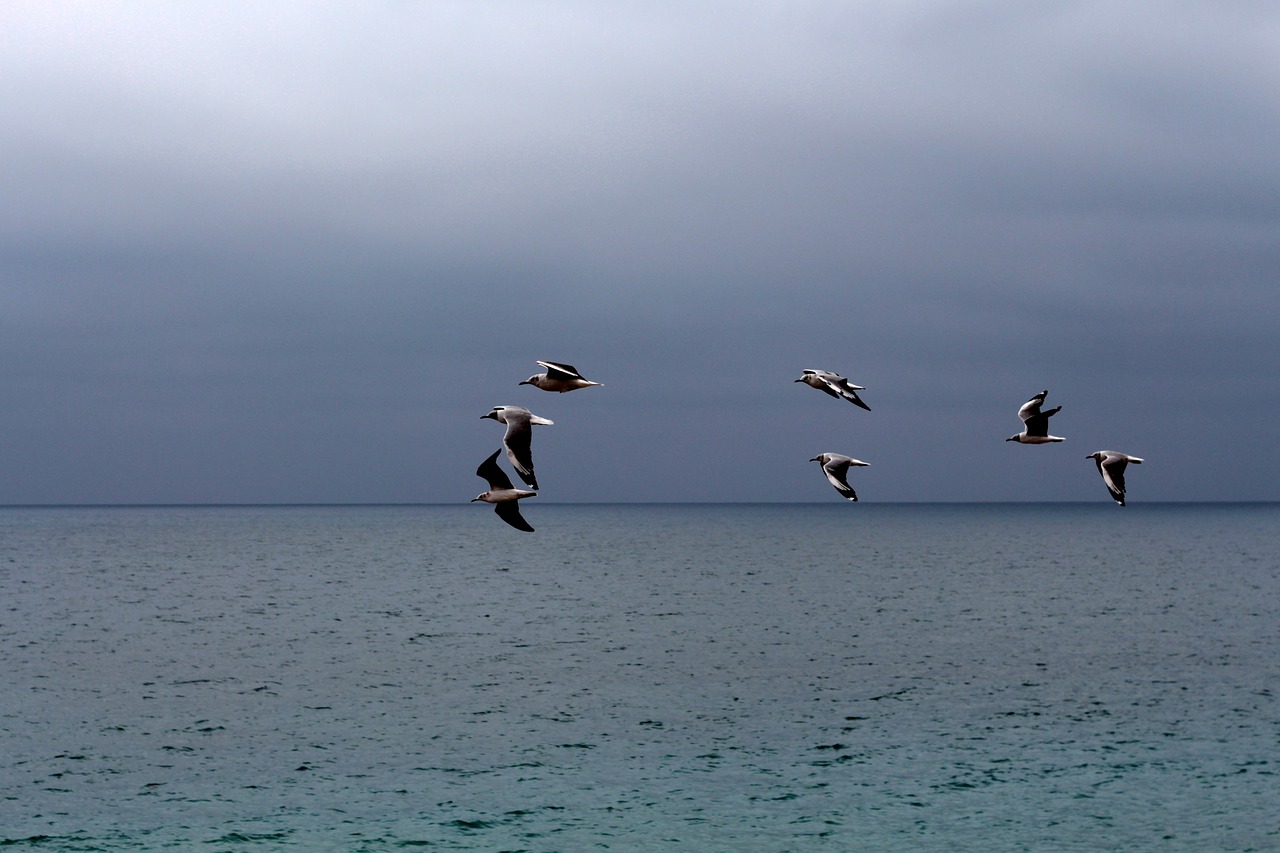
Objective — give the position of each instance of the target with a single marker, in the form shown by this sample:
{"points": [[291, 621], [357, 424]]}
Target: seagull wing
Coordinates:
{"points": [[852, 396], [1030, 409], [1111, 467], [509, 511], [492, 474], [837, 471], [1038, 423], [561, 371], [518, 440]]}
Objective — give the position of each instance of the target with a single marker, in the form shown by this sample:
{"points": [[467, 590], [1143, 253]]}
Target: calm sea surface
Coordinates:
{"points": [[717, 678]]}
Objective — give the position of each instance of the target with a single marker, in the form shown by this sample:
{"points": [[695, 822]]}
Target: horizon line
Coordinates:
{"points": [[375, 504]]}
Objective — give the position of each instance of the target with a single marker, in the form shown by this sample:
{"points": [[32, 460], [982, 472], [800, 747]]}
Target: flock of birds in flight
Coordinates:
{"points": [[518, 439], [560, 378]]}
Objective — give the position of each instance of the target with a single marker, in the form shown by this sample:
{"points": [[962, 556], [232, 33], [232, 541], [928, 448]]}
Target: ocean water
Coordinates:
{"points": [[687, 677]]}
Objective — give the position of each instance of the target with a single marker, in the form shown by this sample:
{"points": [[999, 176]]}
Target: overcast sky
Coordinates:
{"points": [[291, 252]]}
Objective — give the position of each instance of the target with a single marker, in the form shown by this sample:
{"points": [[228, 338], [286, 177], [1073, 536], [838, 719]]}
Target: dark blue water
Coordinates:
{"points": [[750, 677]]}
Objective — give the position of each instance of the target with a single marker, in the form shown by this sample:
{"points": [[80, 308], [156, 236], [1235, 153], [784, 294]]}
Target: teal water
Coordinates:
{"points": [[697, 677]]}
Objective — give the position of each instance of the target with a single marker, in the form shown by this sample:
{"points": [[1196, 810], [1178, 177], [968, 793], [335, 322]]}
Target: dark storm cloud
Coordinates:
{"points": [[294, 254]]}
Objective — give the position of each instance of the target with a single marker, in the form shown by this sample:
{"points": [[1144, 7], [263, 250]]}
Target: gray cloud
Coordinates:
{"points": [[294, 254]]}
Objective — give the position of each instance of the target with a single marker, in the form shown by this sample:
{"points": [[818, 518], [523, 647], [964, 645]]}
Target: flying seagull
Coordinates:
{"points": [[518, 437], [559, 377], [836, 467], [835, 385], [1111, 466], [1035, 423], [501, 494]]}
